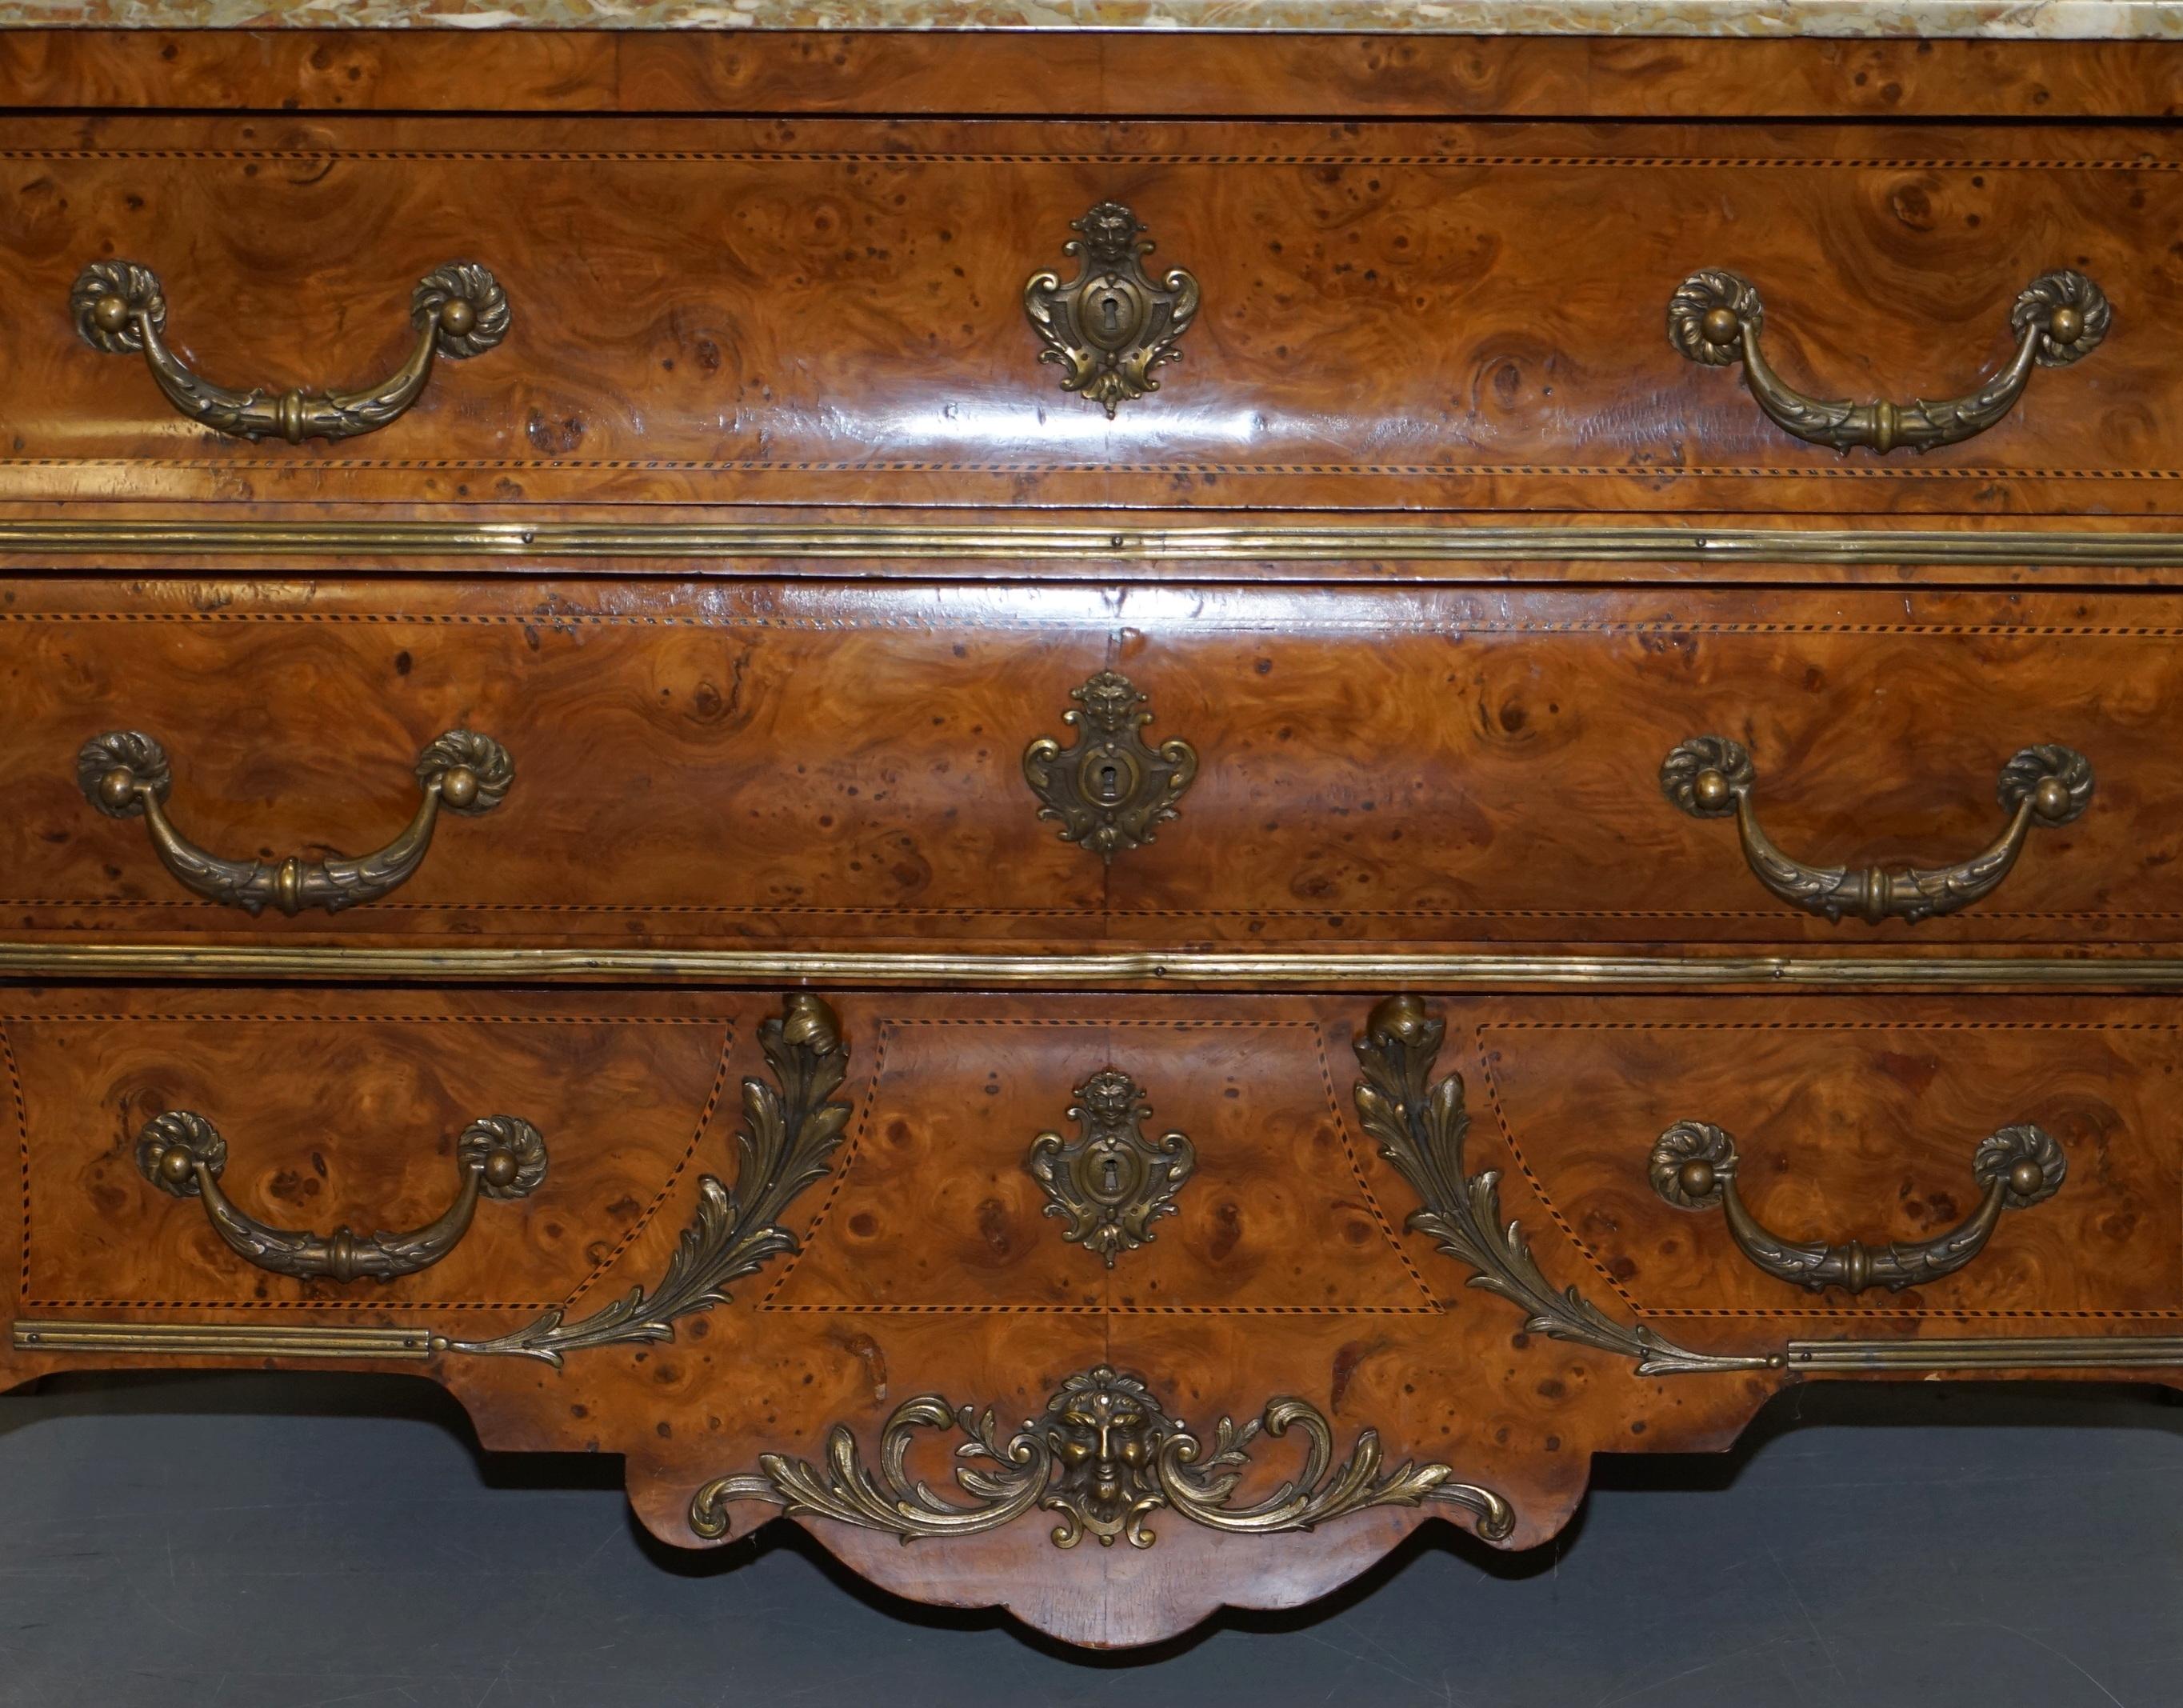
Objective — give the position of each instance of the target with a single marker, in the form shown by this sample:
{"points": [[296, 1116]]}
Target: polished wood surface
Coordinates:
{"points": [[1062, 73], [774, 282], [814, 764], [829, 311], [926, 1267]]}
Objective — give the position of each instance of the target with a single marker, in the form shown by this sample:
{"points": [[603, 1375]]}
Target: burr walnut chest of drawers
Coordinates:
{"points": [[1113, 810]]}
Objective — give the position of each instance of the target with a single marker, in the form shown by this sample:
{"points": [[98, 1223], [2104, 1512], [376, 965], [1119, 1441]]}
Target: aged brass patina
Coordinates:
{"points": [[1111, 1182], [126, 774], [1714, 318], [549, 539], [790, 1129], [1095, 970], [459, 310], [498, 1156], [1693, 1167], [1113, 324], [1711, 776], [1105, 1455], [1111, 791], [1419, 1125]]}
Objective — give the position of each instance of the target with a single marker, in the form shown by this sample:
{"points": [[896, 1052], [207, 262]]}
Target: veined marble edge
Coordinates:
{"points": [[1994, 19]]}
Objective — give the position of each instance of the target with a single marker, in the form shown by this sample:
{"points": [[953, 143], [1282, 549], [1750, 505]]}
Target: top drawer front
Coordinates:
{"points": [[1441, 316]]}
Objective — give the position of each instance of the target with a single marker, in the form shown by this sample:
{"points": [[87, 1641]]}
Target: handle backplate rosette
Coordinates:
{"points": [[1708, 314], [465, 307], [2057, 782], [508, 1152], [473, 770], [2069, 310], [1704, 775], [108, 296], [2025, 1161], [1691, 1163], [117, 770], [174, 1146]]}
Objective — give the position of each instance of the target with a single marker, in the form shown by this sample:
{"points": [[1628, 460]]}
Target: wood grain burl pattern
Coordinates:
{"points": [[813, 310], [1289, 1196], [811, 765]]}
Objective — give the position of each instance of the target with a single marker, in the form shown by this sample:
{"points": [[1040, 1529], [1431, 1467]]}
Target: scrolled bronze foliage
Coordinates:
{"points": [[458, 310], [1106, 1455], [1113, 324], [2041, 787], [497, 1156], [790, 1128], [126, 774], [1715, 316], [1419, 1125], [1693, 1166]]}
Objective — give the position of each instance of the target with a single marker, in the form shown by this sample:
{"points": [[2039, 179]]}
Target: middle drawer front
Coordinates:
{"points": [[804, 763]]}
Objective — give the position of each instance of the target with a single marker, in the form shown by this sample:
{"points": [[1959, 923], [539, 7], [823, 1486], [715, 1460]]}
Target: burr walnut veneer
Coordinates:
{"points": [[1115, 835]]}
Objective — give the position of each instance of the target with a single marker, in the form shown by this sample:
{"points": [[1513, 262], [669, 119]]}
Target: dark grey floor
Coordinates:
{"points": [[300, 1542]]}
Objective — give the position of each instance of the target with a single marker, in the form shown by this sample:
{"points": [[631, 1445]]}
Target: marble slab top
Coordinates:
{"points": [[2049, 20]]}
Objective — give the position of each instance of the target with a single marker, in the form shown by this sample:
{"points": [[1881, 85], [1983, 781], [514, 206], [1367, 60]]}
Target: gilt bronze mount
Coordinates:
{"points": [[1715, 316], [1693, 1166], [457, 311], [126, 774], [2047, 786], [1111, 791], [1105, 1455], [1110, 1182], [498, 1156], [1113, 324]]}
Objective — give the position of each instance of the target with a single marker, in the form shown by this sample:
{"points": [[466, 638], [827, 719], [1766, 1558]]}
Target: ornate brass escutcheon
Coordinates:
{"points": [[126, 774], [499, 1157], [1693, 1167], [1111, 324], [1715, 316], [1106, 1455], [1110, 1181], [458, 311], [1711, 776], [1111, 790]]}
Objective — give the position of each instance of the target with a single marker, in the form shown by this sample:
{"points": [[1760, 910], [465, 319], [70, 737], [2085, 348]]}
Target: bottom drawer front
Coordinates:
{"points": [[1232, 1274]]}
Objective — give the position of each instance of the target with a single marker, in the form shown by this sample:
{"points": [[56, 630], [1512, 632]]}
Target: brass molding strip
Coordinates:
{"points": [[718, 540], [221, 1340], [271, 1340], [2068, 1352], [1090, 970]]}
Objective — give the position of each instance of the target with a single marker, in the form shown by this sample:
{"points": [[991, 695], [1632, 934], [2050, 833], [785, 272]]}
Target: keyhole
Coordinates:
{"points": [[1110, 781], [1113, 1169], [1114, 314]]}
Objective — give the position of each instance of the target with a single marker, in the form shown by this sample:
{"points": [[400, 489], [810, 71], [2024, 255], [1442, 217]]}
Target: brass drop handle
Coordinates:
{"points": [[1693, 1167], [1715, 317], [126, 774], [458, 310], [1711, 776], [498, 1157]]}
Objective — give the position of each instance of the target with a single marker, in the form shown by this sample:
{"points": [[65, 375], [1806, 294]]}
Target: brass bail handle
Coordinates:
{"points": [[499, 1156], [457, 311], [126, 774], [1693, 1166], [2042, 786], [1715, 317]]}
